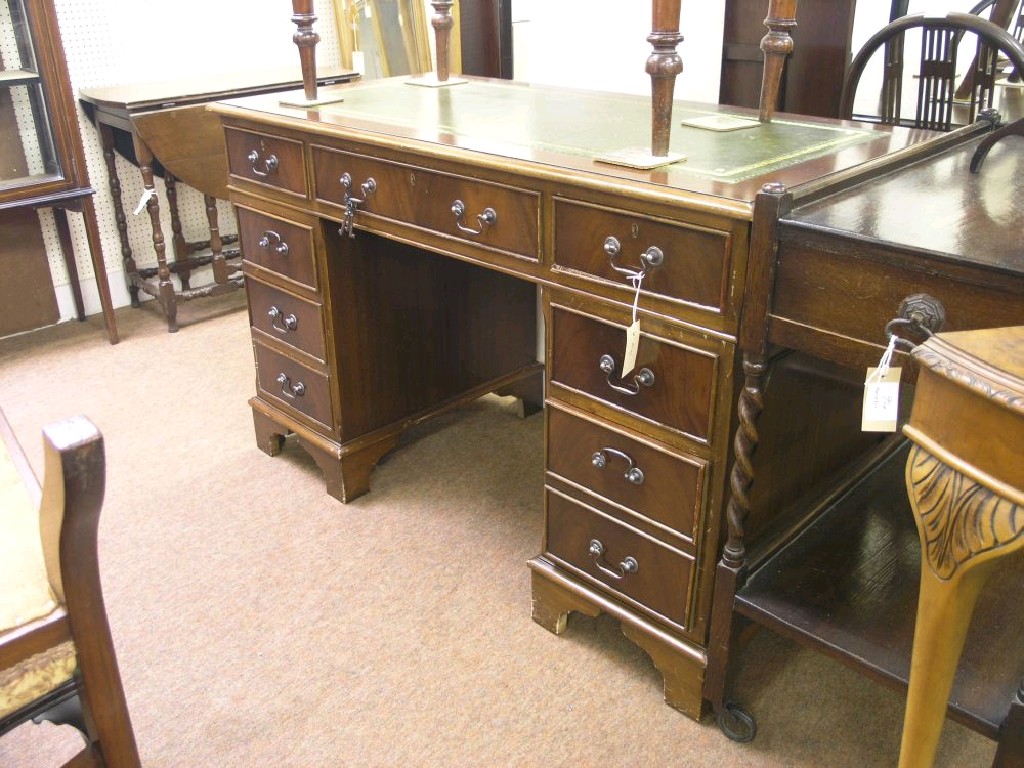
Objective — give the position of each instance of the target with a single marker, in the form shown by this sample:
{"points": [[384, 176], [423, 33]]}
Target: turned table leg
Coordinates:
{"points": [[131, 272], [165, 291]]}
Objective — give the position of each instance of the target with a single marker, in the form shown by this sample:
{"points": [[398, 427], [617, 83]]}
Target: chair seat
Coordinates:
{"points": [[25, 592], [31, 679]]}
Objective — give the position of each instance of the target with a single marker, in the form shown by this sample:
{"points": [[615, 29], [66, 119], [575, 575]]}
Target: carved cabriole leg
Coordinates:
{"points": [[964, 528], [663, 65], [178, 244], [776, 45], [165, 292], [130, 270], [730, 567], [220, 270], [442, 22]]}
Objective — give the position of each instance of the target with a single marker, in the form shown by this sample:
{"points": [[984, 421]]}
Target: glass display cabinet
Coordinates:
{"points": [[42, 164]]}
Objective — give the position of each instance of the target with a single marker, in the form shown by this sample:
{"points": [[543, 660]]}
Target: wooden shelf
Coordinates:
{"points": [[848, 586], [12, 77]]}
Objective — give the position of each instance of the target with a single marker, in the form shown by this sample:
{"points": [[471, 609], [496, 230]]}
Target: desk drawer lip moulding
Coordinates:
{"points": [[419, 196]]}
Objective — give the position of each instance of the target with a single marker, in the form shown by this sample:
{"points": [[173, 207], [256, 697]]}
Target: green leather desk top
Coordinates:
{"points": [[572, 128]]}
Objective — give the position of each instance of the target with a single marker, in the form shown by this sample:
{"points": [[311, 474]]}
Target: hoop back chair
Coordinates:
{"points": [[945, 41], [57, 659], [1015, 26]]}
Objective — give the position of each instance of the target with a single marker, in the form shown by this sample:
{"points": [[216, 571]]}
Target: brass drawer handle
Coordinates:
{"points": [[486, 219], [289, 323], [270, 165], [649, 259], [633, 473], [271, 239], [644, 378], [352, 204], [289, 390], [627, 566]]}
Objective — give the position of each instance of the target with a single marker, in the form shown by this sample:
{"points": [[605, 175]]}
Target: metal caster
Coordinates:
{"points": [[736, 723]]}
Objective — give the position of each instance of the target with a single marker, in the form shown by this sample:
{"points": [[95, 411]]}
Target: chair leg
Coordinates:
{"points": [[65, 709]]}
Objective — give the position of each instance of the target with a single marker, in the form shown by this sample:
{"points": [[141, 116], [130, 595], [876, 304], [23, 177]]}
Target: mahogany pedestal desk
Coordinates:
{"points": [[930, 245], [393, 244], [164, 128]]}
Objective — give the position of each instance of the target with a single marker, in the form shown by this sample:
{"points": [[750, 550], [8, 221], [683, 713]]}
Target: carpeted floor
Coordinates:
{"points": [[260, 622]]}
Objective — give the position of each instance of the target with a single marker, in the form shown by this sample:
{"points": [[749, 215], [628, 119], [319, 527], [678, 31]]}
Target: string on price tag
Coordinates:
{"points": [[633, 332]]}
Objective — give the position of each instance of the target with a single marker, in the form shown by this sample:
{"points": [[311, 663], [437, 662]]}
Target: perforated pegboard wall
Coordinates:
{"points": [[122, 42]]}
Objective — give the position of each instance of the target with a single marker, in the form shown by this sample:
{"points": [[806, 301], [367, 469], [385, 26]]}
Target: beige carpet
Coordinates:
{"points": [[258, 622]]}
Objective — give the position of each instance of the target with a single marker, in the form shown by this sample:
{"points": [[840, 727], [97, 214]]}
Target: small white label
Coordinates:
{"points": [[632, 345], [147, 194], [881, 400]]}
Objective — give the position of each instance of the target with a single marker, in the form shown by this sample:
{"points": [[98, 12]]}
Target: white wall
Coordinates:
{"points": [[121, 42], [602, 44]]}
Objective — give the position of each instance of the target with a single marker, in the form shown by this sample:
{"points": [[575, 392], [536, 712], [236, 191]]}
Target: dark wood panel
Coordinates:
{"points": [[413, 329], [26, 288], [486, 37], [864, 612], [813, 77]]}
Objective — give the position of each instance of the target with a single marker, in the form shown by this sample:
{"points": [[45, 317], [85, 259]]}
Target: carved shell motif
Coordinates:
{"points": [[959, 517]]}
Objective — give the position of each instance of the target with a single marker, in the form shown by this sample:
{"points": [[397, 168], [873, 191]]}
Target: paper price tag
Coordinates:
{"points": [[146, 196], [632, 345], [881, 400]]}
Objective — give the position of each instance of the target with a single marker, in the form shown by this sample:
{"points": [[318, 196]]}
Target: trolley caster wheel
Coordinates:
{"points": [[736, 723]]}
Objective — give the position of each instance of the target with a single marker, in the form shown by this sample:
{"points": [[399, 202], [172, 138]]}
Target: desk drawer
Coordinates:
{"points": [[282, 246], [659, 485], [264, 159], [694, 266], [618, 557], [283, 381], [279, 314], [682, 379], [411, 195]]}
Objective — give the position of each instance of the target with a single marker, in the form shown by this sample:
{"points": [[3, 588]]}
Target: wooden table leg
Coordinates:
{"points": [[67, 249], [178, 244], [220, 269], [165, 288], [663, 65], [776, 46], [131, 272], [99, 267]]}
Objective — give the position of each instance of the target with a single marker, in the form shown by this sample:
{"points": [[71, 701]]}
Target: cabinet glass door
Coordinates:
{"points": [[27, 152]]}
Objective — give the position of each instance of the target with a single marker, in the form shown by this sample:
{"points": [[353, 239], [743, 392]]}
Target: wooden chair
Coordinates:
{"points": [[1008, 14], [965, 479], [930, 104], [57, 660]]}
